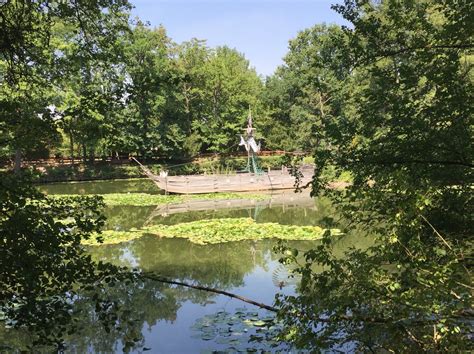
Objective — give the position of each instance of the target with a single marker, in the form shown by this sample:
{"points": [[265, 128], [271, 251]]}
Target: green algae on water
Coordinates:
{"points": [[215, 231], [145, 199]]}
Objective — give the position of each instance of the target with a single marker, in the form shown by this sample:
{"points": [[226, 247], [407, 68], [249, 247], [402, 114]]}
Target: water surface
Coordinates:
{"points": [[164, 318]]}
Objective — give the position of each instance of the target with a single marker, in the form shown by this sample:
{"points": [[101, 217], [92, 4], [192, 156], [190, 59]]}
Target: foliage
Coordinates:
{"points": [[401, 125], [79, 172], [215, 231], [30, 60], [103, 170], [306, 89], [148, 70], [44, 268], [43, 265], [136, 92]]}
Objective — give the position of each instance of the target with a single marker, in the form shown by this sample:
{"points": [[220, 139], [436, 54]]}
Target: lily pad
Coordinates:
{"points": [[259, 323]]}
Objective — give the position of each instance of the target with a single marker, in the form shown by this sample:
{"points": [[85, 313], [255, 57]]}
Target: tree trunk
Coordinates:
{"points": [[91, 155], [71, 146], [84, 153], [17, 163]]}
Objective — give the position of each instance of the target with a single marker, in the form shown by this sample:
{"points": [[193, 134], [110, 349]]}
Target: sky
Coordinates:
{"points": [[260, 29]]}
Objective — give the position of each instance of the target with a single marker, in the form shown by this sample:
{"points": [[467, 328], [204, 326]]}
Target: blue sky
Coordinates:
{"points": [[260, 28]]}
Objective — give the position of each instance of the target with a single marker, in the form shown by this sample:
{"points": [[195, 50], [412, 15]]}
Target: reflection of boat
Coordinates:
{"points": [[252, 179], [280, 199]]}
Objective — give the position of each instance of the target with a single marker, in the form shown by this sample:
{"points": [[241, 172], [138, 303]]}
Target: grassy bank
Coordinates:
{"points": [[215, 231]]}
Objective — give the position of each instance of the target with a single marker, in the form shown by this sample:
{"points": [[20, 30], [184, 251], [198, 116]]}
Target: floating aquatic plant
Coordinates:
{"points": [[144, 199], [242, 330], [218, 231]]}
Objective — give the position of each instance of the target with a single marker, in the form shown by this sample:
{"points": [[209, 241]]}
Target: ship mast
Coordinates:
{"points": [[248, 141]]}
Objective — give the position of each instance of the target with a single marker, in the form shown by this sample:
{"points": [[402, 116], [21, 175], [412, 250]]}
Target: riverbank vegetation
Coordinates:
{"points": [[386, 100], [144, 199]]}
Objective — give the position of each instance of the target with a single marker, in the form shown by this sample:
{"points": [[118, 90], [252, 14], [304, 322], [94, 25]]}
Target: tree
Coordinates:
{"points": [[29, 59], [404, 131], [232, 87], [89, 89], [43, 265], [307, 88], [147, 55], [27, 125], [190, 66]]}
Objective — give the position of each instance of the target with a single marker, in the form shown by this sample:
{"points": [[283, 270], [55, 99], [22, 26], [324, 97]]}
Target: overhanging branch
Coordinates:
{"points": [[416, 161]]}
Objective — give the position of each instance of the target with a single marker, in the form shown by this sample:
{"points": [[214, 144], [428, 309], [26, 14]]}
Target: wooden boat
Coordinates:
{"points": [[239, 182], [251, 179]]}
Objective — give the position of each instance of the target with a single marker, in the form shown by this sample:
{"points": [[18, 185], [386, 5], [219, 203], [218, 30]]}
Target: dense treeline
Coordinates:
{"points": [[143, 94]]}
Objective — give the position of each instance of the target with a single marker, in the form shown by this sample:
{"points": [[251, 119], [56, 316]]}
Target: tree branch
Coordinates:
{"points": [[212, 290], [415, 161]]}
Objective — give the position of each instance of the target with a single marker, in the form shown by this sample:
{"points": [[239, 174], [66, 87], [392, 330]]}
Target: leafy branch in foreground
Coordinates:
{"points": [[43, 266], [402, 126]]}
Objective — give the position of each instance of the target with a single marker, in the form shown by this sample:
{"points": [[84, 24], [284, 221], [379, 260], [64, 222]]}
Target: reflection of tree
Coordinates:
{"points": [[219, 266], [178, 218], [141, 305], [126, 217], [138, 306]]}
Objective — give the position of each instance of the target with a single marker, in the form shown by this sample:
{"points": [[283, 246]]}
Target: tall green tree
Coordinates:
{"points": [[190, 66], [42, 263], [306, 89], [404, 130], [89, 89], [148, 70], [30, 61], [232, 87]]}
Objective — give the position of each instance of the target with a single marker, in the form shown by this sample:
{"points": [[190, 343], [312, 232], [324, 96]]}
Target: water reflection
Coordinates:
{"points": [[161, 316], [247, 268], [221, 266], [126, 217], [306, 211]]}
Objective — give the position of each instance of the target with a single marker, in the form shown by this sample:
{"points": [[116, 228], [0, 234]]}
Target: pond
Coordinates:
{"points": [[176, 319]]}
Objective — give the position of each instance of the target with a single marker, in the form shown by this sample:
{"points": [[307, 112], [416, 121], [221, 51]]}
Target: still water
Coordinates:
{"points": [[175, 319]]}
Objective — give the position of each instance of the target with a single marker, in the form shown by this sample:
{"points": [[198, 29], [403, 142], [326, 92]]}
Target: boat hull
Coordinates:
{"points": [[241, 182]]}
